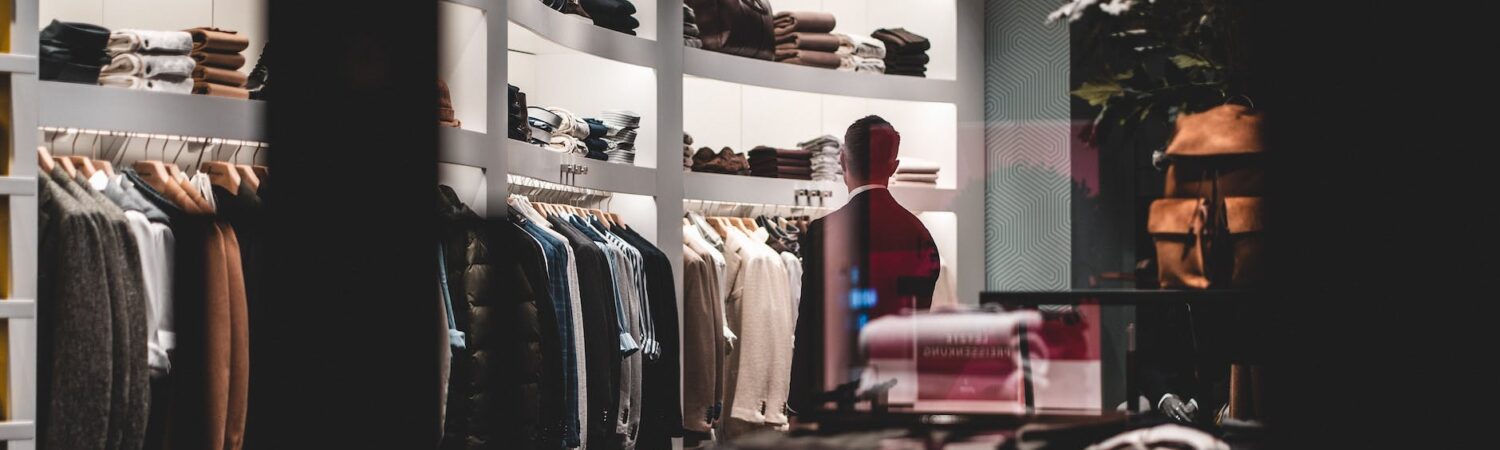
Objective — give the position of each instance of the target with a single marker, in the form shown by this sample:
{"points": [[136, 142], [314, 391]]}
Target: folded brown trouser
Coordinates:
{"points": [[220, 76], [772, 161], [805, 21], [822, 42], [231, 61], [217, 40], [219, 90], [763, 151]]}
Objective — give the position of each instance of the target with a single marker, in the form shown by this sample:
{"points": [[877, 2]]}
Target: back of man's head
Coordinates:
{"points": [[871, 146]]}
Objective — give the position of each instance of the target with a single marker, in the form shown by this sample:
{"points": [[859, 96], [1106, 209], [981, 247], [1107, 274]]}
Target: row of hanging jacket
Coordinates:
{"points": [[741, 285], [566, 339], [147, 280]]}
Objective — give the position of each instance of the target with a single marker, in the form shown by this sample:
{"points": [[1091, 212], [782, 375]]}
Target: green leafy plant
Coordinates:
{"points": [[1150, 60]]}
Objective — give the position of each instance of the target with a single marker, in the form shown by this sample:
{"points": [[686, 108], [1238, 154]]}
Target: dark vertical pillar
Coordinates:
{"points": [[348, 340]]}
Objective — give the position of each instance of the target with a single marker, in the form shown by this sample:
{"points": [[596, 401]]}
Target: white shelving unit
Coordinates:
{"points": [[19, 187], [655, 188], [542, 164], [72, 105], [580, 35], [817, 101], [792, 77]]}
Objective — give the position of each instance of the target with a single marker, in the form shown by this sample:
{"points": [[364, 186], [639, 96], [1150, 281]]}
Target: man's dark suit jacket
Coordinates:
{"points": [[871, 246]]}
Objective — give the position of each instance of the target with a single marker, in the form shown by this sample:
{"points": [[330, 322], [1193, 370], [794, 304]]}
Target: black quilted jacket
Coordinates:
{"points": [[496, 381]]}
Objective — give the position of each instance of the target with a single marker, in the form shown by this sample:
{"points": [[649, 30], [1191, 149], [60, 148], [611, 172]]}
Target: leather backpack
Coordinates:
{"points": [[1208, 230]]}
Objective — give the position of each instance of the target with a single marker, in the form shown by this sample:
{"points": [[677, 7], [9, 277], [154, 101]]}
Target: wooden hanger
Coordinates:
{"points": [[44, 160], [67, 165], [615, 218], [109, 169], [719, 225], [602, 217], [174, 172], [260, 172], [156, 175], [222, 174], [247, 173], [83, 164]]}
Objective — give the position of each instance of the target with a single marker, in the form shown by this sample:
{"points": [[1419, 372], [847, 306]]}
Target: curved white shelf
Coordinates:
{"points": [[476, 4], [577, 33], [72, 105], [925, 199], [12, 63], [536, 162], [781, 192], [464, 147], [757, 190], [792, 77]]}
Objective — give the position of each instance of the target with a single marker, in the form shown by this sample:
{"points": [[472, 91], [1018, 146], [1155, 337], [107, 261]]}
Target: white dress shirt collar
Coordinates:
{"points": [[856, 191]]}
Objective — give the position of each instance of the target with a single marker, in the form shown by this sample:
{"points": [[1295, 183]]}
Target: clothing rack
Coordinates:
{"points": [[549, 192], [115, 146], [738, 209]]}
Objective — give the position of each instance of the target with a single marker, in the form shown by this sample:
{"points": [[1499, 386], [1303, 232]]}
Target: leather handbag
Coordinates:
{"points": [[1203, 243], [1218, 148]]}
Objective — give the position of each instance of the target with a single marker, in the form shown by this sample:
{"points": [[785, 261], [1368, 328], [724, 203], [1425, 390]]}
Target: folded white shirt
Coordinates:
{"points": [[861, 46], [150, 66], [917, 177], [149, 41], [175, 85], [916, 165]]}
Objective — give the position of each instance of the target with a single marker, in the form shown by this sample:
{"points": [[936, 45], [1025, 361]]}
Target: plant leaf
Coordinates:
{"points": [[1098, 93], [1126, 75], [1186, 61]]}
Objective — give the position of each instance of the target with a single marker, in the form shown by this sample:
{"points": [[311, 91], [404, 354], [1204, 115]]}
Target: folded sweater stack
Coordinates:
{"points": [[149, 60], [726, 161], [519, 129], [860, 54], [446, 116], [622, 127], [72, 52], [804, 37], [618, 15], [825, 158], [690, 30], [906, 52], [916, 172], [217, 53], [781, 163]]}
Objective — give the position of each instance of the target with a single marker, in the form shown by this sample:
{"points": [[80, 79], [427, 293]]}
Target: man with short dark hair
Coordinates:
{"points": [[870, 258]]}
